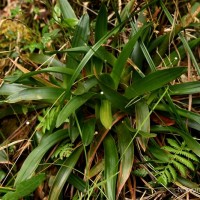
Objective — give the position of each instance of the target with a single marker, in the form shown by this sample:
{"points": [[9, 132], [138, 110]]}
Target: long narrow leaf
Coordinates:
{"points": [[127, 10], [25, 188], [126, 150], [111, 166], [9, 89], [80, 38], [88, 131], [101, 24], [180, 53], [33, 160], [100, 31], [185, 88], [142, 122], [122, 59], [101, 53], [183, 39], [45, 93], [153, 81], [140, 51], [71, 107], [61, 70], [64, 173], [67, 11], [182, 112], [46, 60], [77, 182], [82, 32]]}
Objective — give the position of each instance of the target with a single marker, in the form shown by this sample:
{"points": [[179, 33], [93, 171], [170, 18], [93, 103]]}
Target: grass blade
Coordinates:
{"points": [[44, 94], [77, 182], [100, 31], [71, 107], [45, 60], [25, 188], [61, 70], [182, 112], [80, 38], [66, 9], [101, 24], [33, 160], [101, 53], [111, 166], [174, 57], [126, 150], [153, 81], [64, 173], [82, 32], [142, 122], [127, 10], [88, 131], [185, 88], [105, 114], [122, 59], [184, 41], [140, 51], [9, 89]]}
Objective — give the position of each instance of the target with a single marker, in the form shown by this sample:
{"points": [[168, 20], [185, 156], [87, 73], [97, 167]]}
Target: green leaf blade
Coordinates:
{"points": [[32, 161], [66, 9], [101, 24], [71, 107], [126, 150], [64, 173], [122, 59], [153, 81], [25, 188], [88, 131], [111, 166], [45, 93]]}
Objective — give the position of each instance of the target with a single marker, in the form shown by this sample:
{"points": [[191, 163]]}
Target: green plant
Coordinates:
{"points": [[176, 159], [95, 86], [64, 150], [48, 120]]}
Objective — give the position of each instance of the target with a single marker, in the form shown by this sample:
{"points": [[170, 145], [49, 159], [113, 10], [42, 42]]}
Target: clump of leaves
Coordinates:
{"points": [[91, 76], [174, 159]]}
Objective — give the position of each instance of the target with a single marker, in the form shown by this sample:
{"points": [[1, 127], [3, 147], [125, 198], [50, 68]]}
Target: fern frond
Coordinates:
{"points": [[185, 161], [189, 155], [179, 161], [170, 149], [48, 120], [180, 167], [174, 143], [162, 179], [159, 168], [63, 151], [168, 175], [172, 172], [140, 172], [187, 149]]}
